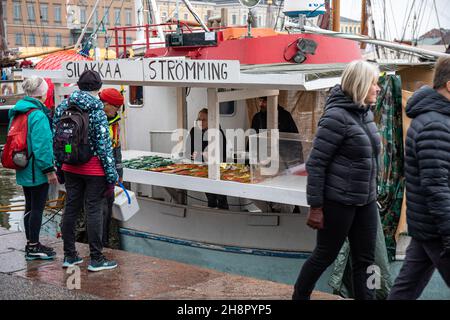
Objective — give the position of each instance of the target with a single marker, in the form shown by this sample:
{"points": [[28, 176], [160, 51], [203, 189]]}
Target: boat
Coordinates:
{"points": [[222, 69]]}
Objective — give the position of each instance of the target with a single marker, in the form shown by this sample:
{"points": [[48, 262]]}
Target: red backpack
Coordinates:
{"points": [[15, 151]]}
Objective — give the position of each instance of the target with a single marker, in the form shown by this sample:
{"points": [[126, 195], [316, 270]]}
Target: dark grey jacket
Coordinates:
{"points": [[427, 167], [342, 165]]}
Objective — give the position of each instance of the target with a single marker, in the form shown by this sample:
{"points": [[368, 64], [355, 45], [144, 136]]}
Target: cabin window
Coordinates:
{"points": [[136, 96], [233, 19], [227, 108], [244, 19], [186, 16]]}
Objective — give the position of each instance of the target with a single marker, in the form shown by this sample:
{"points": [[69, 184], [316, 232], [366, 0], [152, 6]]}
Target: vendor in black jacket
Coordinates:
{"points": [[197, 143], [427, 172], [341, 186], [285, 124]]}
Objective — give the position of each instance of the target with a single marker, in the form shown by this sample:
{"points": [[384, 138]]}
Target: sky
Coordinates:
{"points": [[397, 12]]}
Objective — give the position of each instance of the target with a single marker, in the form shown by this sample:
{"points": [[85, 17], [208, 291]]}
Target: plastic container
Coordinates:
{"points": [[122, 210]]}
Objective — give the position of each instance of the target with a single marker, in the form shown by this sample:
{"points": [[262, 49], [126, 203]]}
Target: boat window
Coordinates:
{"points": [[227, 108], [136, 96]]}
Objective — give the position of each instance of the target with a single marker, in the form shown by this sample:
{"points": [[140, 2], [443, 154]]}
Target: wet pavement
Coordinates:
{"points": [[9, 193], [137, 277]]}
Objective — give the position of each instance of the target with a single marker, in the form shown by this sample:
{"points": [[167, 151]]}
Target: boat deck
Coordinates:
{"points": [[137, 277]]}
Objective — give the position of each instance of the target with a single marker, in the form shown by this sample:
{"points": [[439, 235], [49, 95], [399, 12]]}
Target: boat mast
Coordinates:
{"points": [[3, 43], [364, 29], [77, 45], [337, 15]]}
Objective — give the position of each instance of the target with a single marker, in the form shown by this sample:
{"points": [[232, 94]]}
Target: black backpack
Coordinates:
{"points": [[71, 142]]}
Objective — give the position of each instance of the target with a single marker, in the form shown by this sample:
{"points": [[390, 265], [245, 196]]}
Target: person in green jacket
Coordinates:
{"points": [[39, 172]]}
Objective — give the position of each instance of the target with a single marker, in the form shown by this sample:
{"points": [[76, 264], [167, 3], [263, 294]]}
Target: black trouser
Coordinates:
{"points": [[35, 198], [107, 214], [87, 190], [359, 224], [217, 200], [422, 258]]}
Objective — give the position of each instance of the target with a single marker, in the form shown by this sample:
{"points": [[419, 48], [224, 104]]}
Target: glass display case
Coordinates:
{"points": [[273, 153]]}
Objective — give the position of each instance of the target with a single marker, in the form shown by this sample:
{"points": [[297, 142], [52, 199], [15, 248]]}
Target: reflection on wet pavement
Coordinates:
{"points": [[10, 193]]}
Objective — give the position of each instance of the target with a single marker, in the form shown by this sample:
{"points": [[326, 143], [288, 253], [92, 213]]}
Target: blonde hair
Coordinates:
{"points": [[357, 78]]}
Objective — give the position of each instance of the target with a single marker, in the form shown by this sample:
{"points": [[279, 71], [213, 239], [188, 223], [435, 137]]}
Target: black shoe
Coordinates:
{"points": [[102, 264], [71, 261], [39, 252]]}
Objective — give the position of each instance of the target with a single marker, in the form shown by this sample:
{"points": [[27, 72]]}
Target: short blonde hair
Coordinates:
{"points": [[357, 78]]}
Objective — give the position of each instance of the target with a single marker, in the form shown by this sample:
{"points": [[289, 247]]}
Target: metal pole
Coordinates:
{"points": [[157, 16], [382, 43], [77, 45], [199, 20]]}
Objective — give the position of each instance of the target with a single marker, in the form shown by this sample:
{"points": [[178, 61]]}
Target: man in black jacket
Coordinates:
{"points": [[427, 187]]}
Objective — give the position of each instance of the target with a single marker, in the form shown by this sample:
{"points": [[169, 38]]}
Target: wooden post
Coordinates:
{"points": [[364, 28], [181, 108], [3, 41], [337, 15], [272, 137], [272, 112], [213, 135]]}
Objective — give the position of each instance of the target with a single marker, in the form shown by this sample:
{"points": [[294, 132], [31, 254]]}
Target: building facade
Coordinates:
{"points": [[54, 23], [350, 26], [58, 23]]}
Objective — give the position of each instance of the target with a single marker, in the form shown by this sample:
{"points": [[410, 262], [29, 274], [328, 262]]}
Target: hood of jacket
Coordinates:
{"points": [[427, 99], [339, 99], [26, 104], [85, 101]]}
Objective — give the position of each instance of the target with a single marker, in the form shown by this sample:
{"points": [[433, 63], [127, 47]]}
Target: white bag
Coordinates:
{"points": [[122, 210]]}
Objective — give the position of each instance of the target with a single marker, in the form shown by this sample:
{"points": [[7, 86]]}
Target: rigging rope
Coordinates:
{"points": [[439, 24]]}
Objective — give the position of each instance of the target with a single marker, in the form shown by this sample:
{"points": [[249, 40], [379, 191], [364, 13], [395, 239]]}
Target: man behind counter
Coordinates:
{"points": [[292, 152]]}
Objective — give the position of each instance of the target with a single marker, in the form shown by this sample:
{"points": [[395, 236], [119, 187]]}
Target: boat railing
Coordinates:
{"points": [[150, 32]]}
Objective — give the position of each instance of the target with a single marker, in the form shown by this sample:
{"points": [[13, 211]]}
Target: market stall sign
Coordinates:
{"points": [[196, 71], [114, 70]]}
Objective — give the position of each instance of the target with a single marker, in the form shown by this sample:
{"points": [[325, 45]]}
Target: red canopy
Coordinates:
{"points": [[54, 62]]}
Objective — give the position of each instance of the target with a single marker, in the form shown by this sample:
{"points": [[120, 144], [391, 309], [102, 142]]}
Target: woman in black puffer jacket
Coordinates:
{"points": [[342, 172]]}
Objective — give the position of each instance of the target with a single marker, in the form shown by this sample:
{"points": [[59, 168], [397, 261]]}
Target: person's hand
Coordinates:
{"points": [[194, 155], [315, 218], [60, 175], [52, 178], [446, 242], [109, 190]]}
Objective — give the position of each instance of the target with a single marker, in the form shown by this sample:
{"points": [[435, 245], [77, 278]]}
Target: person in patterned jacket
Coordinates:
{"points": [[91, 182]]}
